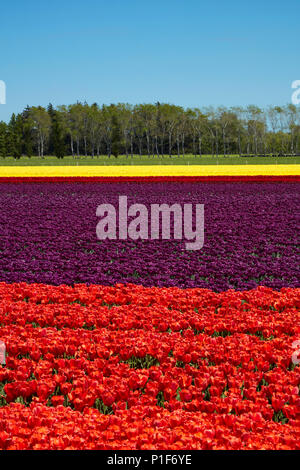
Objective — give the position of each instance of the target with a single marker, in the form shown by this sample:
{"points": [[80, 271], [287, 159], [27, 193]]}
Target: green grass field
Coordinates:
{"points": [[145, 160]]}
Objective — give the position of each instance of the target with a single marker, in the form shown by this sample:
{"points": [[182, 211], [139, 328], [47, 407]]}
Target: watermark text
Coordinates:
{"points": [[2, 92], [153, 224], [296, 94]]}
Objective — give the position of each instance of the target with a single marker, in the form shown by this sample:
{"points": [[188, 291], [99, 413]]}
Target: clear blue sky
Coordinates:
{"points": [[186, 52]]}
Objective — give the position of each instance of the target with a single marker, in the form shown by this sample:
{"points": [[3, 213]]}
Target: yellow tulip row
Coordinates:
{"points": [[149, 170]]}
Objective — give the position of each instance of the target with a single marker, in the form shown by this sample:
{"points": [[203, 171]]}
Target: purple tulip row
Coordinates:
{"points": [[48, 235]]}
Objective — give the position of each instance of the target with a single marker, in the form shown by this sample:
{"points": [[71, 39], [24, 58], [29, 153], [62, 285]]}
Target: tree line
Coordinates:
{"points": [[150, 129]]}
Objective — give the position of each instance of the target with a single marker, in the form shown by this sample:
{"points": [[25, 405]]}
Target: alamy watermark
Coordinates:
{"points": [[2, 353], [2, 92], [146, 224], [296, 354], [296, 94]]}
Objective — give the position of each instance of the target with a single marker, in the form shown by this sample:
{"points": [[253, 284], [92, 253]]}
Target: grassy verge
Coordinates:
{"points": [[145, 160]]}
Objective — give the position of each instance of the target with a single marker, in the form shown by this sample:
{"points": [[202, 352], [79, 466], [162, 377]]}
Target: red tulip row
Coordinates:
{"points": [[153, 179], [223, 319], [130, 367], [39, 427]]}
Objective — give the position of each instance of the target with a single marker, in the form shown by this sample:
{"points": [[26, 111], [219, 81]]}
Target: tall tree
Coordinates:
{"points": [[3, 140], [15, 136], [41, 126], [27, 132], [57, 132], [115, 134]]}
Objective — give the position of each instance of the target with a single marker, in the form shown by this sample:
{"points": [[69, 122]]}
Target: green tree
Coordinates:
{"points": [[116, 136], [15, 136], [41, 127], [3, 140], [57, 133], [27, 132]]}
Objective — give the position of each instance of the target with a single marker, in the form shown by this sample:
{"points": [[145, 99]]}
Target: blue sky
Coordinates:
{"points": [[190, 53]]}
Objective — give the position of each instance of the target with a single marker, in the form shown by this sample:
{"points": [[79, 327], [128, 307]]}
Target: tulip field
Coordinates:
{"points": [[141, 344], [131, 367], [48, 235]]}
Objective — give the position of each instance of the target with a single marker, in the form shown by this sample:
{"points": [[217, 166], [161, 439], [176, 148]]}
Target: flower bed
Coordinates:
{"points": [[152, 179], [48, 234], [130, 170], [131, 367]]}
